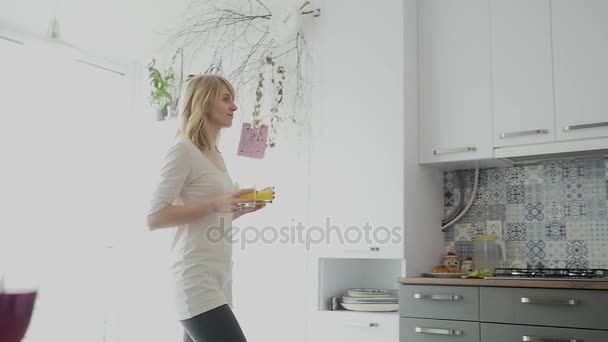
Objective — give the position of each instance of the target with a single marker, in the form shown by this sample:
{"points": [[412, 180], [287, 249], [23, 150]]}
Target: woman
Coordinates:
{"points": [[194, 194]]}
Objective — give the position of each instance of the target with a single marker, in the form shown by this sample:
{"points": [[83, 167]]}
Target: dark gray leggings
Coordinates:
{"points": [[216, 325]]}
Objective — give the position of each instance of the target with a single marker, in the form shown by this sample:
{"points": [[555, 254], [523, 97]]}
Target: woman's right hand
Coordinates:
{"points": [[229, 202]]}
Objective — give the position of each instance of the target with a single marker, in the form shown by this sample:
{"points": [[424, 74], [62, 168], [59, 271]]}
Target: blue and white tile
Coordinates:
{"points": [[573, 191], [516, 194], [555, 230], [572, 170], [536, 250], [557, 263], [534, 212], [577, 263], [515, 175], [556, 250], [596, 210], [494, 228], [496, 176], [464, 249], [599, 231], [574, 211], [536, 231], [579, 230], [598, 251], [536, 263], [449, 234], [517, 250], [595, 189], [481, 197], [576, 249], [515, 212], [477, 213], [552, 171], [516, 231], [478, 229], [462, 232], [554, 210], [497, 194], [594, 168], [535, 174], [497, 212]]}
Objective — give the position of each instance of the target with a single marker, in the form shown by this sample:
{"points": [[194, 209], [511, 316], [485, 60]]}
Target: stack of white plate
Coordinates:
{"points": [[370, 300]]}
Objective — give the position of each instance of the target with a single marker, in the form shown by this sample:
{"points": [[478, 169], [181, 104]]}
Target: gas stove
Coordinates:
{"points": [[580, 274]]}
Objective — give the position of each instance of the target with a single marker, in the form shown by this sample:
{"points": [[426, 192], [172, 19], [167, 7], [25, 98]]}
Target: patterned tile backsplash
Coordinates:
{"points": [[551, 214]]}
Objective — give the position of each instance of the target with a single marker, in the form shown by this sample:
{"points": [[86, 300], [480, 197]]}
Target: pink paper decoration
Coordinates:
{"points": [[253, 141]]}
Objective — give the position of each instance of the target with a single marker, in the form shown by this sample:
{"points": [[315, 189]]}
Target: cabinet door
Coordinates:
{"points": [[353, 326], [357, 159], [510, 333], [454, 80], [522, 75], [580, 55], [431, 330]]}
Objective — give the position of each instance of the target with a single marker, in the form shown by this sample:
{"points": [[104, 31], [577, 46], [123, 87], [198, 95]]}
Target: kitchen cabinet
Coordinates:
{"points": [[509, 333], [454, 81], [501, 314], [580, 52], [522, 73], [364, 165]]}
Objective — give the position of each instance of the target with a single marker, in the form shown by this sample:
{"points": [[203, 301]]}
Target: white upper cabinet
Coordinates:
{"points": [[522, 79], [580, 55], [358, 124], [454, 81]]}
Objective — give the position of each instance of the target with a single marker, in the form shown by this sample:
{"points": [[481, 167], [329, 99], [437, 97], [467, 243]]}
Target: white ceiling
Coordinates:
{"points": [[116, 29]]}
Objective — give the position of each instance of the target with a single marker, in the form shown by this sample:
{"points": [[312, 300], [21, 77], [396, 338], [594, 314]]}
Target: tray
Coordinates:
{"points": [[443, 275]]}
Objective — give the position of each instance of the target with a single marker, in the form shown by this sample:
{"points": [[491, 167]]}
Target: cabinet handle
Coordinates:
{"points": [[362, 325], [591, 125], [363, 250], [520, 133], [548, 339], [437, 296], [438, 331], [526, 300], [455, 150]]}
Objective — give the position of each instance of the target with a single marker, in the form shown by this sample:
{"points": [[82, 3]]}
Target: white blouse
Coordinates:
{"points": [[201, 266]]}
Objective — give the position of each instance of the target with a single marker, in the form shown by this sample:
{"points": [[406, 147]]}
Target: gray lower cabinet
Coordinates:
{"points": [[550, 307], [431, 313], [439, 302], [491, 332], [432, 330]]}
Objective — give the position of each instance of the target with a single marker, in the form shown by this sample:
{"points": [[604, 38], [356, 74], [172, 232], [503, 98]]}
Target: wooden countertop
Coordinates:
{"points": [[547, 284]]}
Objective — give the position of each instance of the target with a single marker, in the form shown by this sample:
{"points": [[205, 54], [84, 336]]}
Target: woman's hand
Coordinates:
{"points": [[258, 206], [230, 202]]}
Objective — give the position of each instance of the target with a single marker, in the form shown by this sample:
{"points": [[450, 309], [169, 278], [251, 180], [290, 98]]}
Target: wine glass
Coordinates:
{"points": [[17, 300]]}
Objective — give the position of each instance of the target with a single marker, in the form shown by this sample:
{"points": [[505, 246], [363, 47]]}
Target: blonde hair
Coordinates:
{"points": [[201, 91]]}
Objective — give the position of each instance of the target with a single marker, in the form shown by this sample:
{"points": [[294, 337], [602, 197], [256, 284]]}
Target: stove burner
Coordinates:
{"points": [[576, 273]]}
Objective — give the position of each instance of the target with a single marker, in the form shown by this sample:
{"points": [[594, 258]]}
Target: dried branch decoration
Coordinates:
{"points": [[269, 47]]}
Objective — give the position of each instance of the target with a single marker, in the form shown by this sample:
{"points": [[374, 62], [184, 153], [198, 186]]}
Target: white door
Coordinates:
{"points": [[580, 55], [522, 75], [454, 80]]}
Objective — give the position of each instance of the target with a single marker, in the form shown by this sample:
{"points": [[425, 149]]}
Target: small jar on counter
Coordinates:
{"points": [[467, 266]]}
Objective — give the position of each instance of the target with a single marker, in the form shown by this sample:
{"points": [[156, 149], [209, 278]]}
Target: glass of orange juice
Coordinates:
{"points": [[251, 197]]}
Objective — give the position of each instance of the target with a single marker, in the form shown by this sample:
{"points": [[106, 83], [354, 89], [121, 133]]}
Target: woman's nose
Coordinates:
{"points": [[234, 107]]}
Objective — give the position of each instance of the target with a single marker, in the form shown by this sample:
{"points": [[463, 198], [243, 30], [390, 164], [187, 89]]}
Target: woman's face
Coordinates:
{"points": [[221, 111]]}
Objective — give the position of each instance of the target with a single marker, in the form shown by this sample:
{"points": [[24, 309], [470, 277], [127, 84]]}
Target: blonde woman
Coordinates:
{"points": [[195, 193]]}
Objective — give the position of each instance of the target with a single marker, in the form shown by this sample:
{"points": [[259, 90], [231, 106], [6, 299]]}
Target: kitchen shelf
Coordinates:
{"points": [[339, 274]]}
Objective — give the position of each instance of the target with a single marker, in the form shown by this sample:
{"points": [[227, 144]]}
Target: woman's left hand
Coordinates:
{"points": [[241, 213]]}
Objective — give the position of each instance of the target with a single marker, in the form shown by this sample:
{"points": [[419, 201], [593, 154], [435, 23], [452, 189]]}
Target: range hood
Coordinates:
{"points": [[529, 154]]}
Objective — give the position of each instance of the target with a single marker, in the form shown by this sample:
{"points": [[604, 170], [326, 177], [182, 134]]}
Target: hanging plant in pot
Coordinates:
{"points": [[160, 93]]}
